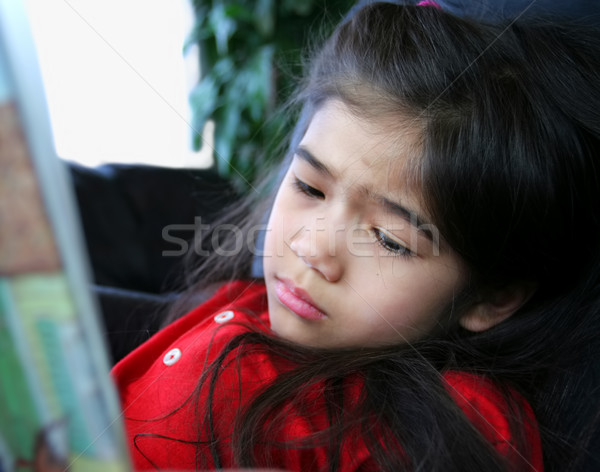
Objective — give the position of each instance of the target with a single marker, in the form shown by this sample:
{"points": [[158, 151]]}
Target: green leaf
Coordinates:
{"points": [[264, 17], [222, 26], [203, 101], [239, 12], [227, 119], [223, 70], [259, 83]]}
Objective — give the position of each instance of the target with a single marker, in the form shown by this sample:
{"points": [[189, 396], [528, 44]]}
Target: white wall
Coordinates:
{"points": [[116, 79]]}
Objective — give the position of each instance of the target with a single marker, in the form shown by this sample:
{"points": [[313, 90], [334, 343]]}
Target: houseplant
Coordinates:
{"points": [[250, 55]]}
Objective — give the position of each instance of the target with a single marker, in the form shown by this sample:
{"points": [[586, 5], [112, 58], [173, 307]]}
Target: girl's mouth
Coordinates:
{"points": [[297, 301]]}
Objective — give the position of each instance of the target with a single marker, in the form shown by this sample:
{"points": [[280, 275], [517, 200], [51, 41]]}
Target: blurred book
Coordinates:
{"points": [[56, 395]]}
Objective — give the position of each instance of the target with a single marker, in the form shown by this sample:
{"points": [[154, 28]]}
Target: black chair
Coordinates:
{"points": [[137, 221]]}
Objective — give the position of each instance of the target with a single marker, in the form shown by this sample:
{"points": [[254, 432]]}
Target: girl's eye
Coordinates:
{"points": [[307, 189], [391, 245]]}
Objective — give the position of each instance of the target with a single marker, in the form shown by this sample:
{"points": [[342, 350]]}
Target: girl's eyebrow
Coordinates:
{"points": [[315, 163], [410, 216], [407, 215]]}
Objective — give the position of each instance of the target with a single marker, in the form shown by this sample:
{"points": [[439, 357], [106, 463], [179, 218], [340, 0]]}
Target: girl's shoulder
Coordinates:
{"points": [[501, 415], [232, 307]]}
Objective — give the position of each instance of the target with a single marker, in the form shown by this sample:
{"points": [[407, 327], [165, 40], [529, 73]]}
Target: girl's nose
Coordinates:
{"points": [[318, 248]]}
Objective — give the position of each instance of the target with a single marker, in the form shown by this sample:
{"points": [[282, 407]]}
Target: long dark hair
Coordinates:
{"points": [[510, 119]]}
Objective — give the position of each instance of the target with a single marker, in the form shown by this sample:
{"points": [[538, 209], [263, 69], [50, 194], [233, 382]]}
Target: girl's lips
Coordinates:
{"points": [[298, 301]]}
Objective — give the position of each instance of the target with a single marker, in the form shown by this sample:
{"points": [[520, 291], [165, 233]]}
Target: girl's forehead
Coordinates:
{"points": [[382, 151]]}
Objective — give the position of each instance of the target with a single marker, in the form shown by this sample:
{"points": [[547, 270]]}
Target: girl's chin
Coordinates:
{"points": [[285, 331]]}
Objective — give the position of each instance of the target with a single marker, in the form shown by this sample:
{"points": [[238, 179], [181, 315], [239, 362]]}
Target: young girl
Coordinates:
{"points": [[430, 262]]}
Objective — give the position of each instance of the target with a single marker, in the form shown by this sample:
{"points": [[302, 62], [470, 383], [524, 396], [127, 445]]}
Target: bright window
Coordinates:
{"points": [[117, 80]]}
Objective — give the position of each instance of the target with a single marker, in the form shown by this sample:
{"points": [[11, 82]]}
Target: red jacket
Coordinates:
{"points": [[157, 382]]}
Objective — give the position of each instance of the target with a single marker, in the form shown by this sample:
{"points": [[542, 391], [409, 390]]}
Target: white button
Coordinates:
{"points": [[223, 317], [172, 356]]}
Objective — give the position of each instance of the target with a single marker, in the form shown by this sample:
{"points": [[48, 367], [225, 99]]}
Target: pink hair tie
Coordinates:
{"points": [[428, 3]]}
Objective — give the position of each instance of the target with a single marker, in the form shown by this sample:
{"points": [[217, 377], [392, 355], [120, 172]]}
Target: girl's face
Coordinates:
{"points": [[350, 258]]}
